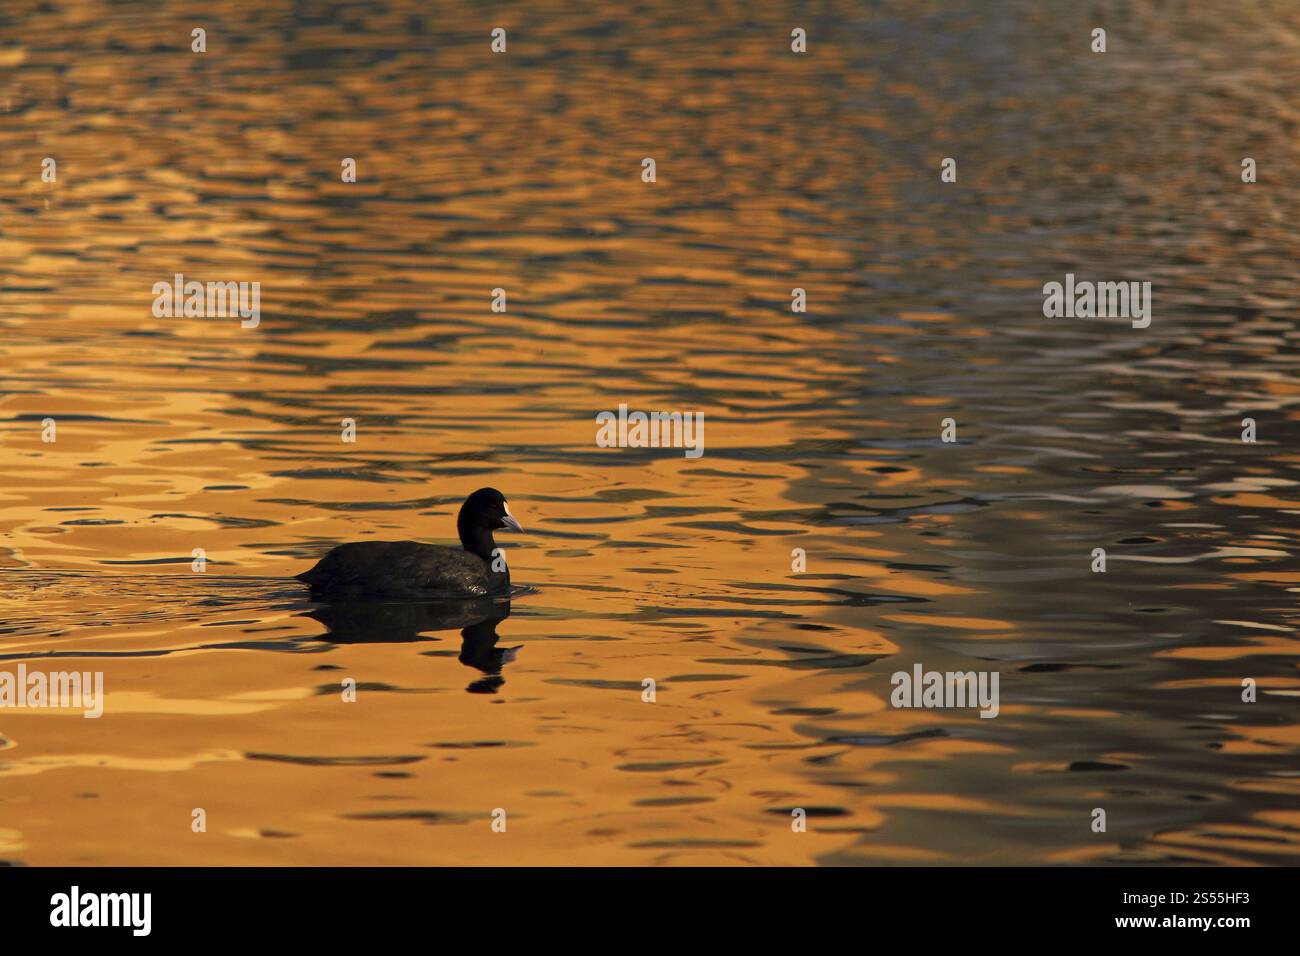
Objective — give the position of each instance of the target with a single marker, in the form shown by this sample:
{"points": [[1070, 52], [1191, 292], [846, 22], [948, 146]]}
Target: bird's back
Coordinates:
{"points": [[403, 569]]}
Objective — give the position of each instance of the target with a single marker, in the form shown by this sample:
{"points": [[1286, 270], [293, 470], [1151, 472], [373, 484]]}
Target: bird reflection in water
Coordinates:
{"points": [[375, 622]]}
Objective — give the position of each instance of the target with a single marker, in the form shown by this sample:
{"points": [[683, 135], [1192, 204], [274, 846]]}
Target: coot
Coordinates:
{"points": [[410, 569]]}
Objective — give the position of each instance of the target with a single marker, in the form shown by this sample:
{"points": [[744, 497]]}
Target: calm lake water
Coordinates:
{"points": [[522, 171]]}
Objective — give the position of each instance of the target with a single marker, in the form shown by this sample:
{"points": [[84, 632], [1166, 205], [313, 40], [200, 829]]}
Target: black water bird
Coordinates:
{"points": [[412, 570]]}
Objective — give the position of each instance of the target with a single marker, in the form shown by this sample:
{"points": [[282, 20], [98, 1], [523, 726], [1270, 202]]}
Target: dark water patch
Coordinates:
{"points": [[316, 761], [429, 817], [672, 801], [667, 766], [1095, 766], [887, 740]]}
